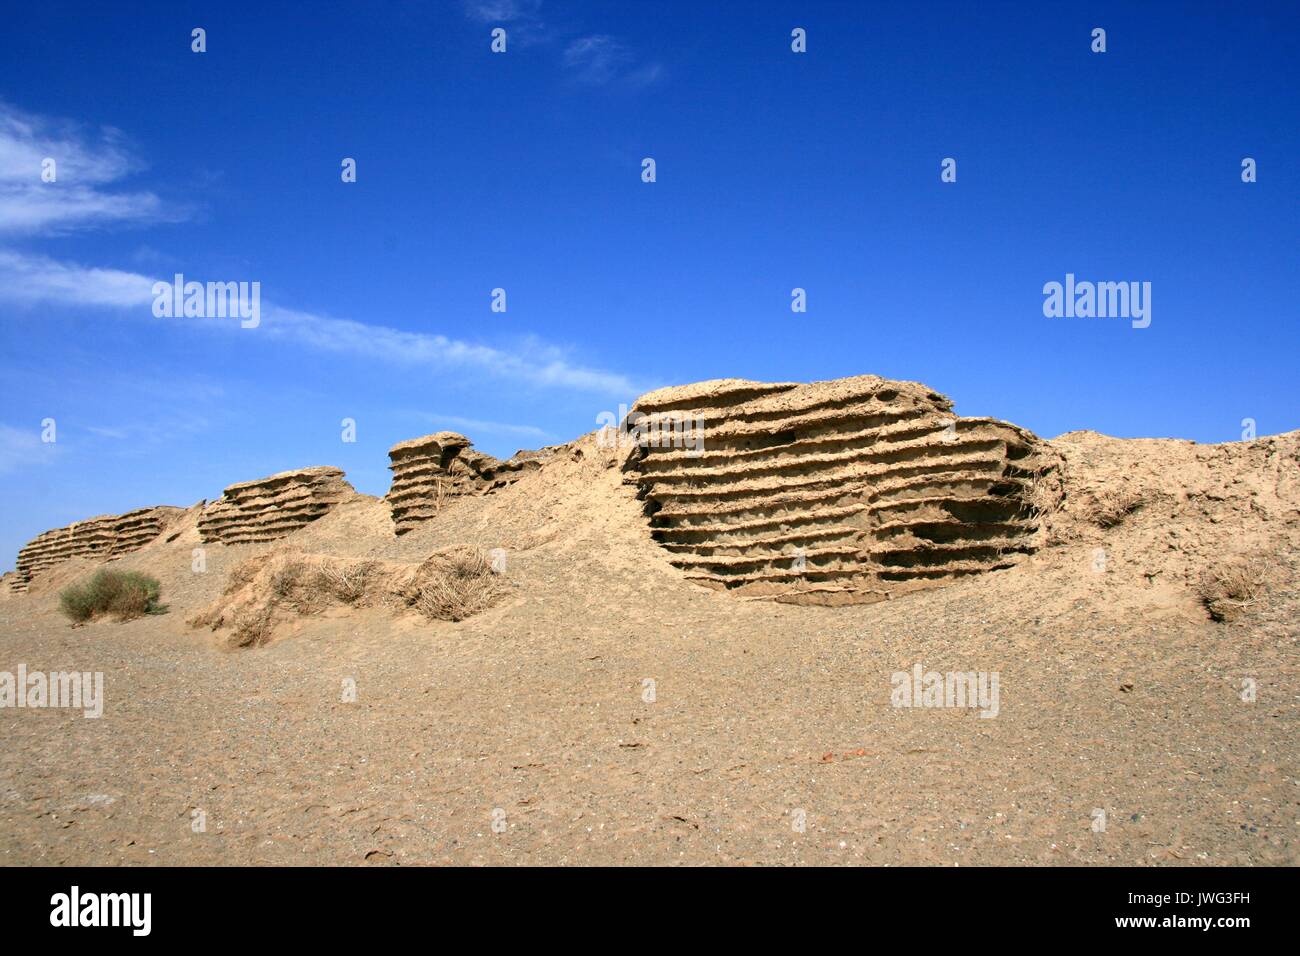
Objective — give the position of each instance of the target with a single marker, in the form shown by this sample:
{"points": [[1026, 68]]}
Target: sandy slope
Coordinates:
{"points": [[1116, 692]]}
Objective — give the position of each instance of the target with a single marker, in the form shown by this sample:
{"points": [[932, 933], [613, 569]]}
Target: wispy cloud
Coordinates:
{"points": [[89, 160], [20, 447], [501, 11], [104, 431], [478, 425], [150, 430], [521, 18], [599, 60], [86, 162], [533, 361], [596, 59], [32, 280], [84, 155], [644, 75]]}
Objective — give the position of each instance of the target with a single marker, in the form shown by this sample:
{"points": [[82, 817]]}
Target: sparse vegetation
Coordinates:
{"points": [[251, 628], [1043, 501], [1229, 587], [349, 583], [108, 592], [448, 586], [1109, 506], [288, 578], [298, 583], [244, 572], [455, 584], [1043, 493]]}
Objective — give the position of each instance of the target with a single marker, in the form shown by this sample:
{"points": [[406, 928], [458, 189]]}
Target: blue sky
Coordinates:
{"points": [[522, 171]]}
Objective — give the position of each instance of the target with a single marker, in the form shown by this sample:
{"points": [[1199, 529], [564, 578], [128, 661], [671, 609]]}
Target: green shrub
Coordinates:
{"points": [[123, 594]]}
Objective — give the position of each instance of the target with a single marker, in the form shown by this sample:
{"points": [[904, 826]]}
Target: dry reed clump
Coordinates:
{"points": [[351, 582], [252, 627], [453, 585], [1043, 493], [1229, 587], [1043, 502], [310, 583], [1107, 507], [267, 590]]}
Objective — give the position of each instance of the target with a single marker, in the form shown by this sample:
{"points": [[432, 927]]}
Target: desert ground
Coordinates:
{"points": [[528, 733]]}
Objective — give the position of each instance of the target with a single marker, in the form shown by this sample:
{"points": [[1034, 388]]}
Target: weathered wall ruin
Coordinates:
{"points": [[104, 537], [272, 507], [429, 470], [847, 491]]}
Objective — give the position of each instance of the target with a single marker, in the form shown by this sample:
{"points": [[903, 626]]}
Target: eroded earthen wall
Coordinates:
{"points": [[847, 491], [429, 470], [107, 536], [272, 507]]}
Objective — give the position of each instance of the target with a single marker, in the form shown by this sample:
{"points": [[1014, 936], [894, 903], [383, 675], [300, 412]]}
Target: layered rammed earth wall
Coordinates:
{"points": [[272, 507], [429, 470], [105, 537], [847, 491]]}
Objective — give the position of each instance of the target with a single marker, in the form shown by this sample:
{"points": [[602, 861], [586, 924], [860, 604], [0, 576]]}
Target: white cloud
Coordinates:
{"points": [[34, 208], [85, 162], [31, 280], [594, 60], [36, 279], [84, 156], [105, 431], [21, 447], [533, 361]]}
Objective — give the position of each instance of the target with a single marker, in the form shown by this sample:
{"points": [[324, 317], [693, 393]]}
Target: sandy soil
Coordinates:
{"points": [[1117, 693]]}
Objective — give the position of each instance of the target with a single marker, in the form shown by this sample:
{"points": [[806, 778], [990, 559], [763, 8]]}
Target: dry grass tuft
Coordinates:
{"points": [[252, 627], [1044, 500], [1229, 587], [1109, 506], [244, 572], [1043, 493], [349, 583], [453, 585]]}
